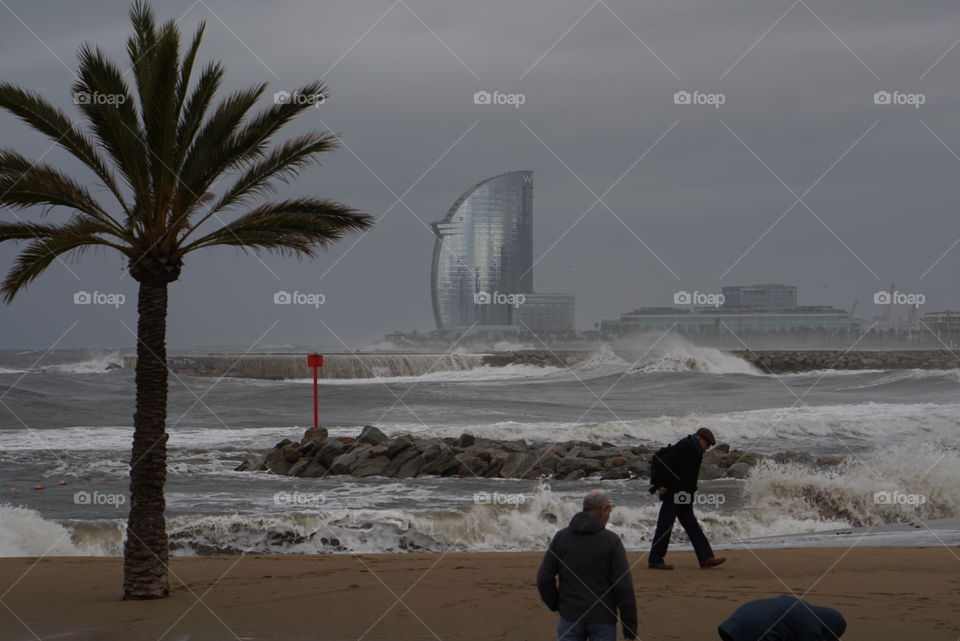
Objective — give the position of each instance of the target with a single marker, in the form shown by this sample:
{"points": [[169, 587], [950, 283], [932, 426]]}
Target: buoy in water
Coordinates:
{"points": [[38, 487]]}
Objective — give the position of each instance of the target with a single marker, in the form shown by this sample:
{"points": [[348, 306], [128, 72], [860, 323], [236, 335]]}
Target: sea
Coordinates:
{"points": [[65, 438]]}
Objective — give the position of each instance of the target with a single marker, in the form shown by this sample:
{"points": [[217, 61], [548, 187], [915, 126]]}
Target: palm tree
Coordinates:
{"points": [[160, 152]]}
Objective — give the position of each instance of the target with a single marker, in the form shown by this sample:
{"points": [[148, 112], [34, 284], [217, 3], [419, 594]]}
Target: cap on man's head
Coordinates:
{"points": [[707, 435]]}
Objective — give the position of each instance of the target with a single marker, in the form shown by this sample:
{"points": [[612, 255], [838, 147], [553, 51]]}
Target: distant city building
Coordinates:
{"points": [[482, 270], [763, 296], [944, 325], [547, 312], [767, 308], [711, 321]]}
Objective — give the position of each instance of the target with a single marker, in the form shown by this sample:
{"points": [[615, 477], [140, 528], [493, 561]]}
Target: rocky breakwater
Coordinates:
{"points": [[791, 361], [538, 357], [373, 453]]}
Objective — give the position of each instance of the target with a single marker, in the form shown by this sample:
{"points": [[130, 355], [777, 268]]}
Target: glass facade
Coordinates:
{"points": [[765, 296], [483, 254], [706, 322], [547, 313]]}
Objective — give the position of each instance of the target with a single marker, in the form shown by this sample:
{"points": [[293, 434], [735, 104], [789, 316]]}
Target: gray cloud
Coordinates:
{"points": [[599, 99]]}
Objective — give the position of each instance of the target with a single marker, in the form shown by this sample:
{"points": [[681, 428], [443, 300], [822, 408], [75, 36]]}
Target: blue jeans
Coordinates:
{"points": [[580, 631]]}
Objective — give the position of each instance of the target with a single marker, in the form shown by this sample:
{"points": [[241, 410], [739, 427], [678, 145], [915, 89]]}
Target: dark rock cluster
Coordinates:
{"points": [[373, 453]]}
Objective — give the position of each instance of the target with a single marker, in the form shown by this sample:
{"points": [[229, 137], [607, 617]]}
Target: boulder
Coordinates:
{"points": [[332, 450], [739, 471], [568, 464], [314, 471], [401, 459], [517, 464], [297, 468], [615, 474], [291, 452], [709, 472], [466, 440], [345, 463], [411, 467], [276, 460], [373, 466], [640, 467], [372, 435], [314, 434], [398, 444], [443, 465], [616, 461], [574, 475]]}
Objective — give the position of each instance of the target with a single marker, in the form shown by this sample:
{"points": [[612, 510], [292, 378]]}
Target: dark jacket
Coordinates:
{"points": [[679, 468], [595, 579], [783, 618]]}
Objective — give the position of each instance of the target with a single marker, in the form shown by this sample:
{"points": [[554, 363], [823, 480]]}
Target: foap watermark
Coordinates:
{"points": [[899, 498], [299, 499], [499, 498], [699, 498], [99, 498], [297, 98], [298, 298], [497, 98], [899, 98], [699, 98], [699, 299], [499, 298], [898, 298], [98, 298], [97, 98]]}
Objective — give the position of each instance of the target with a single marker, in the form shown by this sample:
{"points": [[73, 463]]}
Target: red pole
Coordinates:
{"points": [[314, 361], [316, 401]]}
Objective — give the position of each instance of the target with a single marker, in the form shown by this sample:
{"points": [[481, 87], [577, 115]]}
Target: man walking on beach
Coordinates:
{"points": [[785, 618], [673, 476], [595, 579]]}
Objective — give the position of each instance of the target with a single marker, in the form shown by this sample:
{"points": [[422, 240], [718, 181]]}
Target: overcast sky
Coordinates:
{"points": [[702, 196]]}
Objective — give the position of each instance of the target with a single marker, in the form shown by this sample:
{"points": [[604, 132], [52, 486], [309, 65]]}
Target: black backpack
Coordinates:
{"points": [[658, 470]]}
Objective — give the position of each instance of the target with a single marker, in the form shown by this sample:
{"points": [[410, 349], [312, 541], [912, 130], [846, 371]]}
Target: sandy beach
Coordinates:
{"points": [[885, 593]]}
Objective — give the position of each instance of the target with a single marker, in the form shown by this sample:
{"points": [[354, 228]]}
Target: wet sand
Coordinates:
{"points": [[893, 594]]}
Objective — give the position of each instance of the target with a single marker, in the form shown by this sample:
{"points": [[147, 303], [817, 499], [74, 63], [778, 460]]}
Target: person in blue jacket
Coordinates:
{"points": [[783, 618]]}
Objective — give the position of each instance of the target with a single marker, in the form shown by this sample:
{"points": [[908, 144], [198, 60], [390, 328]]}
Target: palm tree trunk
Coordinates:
{"points": [[145, 550]]}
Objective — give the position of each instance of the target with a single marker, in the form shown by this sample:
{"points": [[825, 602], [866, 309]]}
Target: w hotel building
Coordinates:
{"points": [[482, 271]]}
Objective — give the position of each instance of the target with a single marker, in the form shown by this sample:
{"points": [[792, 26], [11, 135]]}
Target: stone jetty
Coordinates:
{"points": [[373, 453]]}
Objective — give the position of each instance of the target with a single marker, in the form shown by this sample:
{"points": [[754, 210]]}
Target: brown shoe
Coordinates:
{"points": [[659, 566], [713, 562]]}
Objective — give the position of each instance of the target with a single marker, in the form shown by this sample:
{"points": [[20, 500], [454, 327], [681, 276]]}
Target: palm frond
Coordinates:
{"points": [[24, 184], [112, 114], [282, 164], [298, 226], [39, 114], [49, 242]]}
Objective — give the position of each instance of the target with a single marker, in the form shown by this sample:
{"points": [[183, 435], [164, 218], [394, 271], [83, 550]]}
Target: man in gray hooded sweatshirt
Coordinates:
{"points": [[595, 581], [783, 618]]}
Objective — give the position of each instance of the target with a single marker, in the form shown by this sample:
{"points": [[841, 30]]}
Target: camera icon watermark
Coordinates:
{"points": [[298, 298], [98, 298], [499, 498], [699, 299], [899, 98], [299, 499], [899, 498], [498, 298], [97, 98], [297, 98], [98, 498], [699, 498], [699, 98], [898, 298], [497, 98]]}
